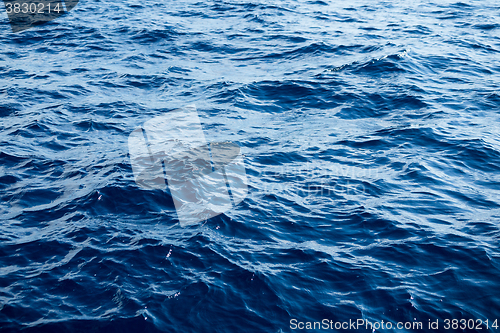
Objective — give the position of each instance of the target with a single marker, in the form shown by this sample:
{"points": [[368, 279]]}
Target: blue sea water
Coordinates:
{"points": [[371, 137]]}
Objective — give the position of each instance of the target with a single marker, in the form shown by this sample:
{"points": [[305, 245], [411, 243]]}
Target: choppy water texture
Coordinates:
{"points": [[372, 147]]}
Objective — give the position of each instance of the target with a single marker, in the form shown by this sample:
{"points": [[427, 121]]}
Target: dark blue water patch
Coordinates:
{"points": [[293, 94], [377, 105], [486, 26], [148, 37], [493, 98], [137, 324], [419, 30], [87, 125], [8, 109], [478, 155], [225, 49], [383, 66], [222, 8], [370, 147]]}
